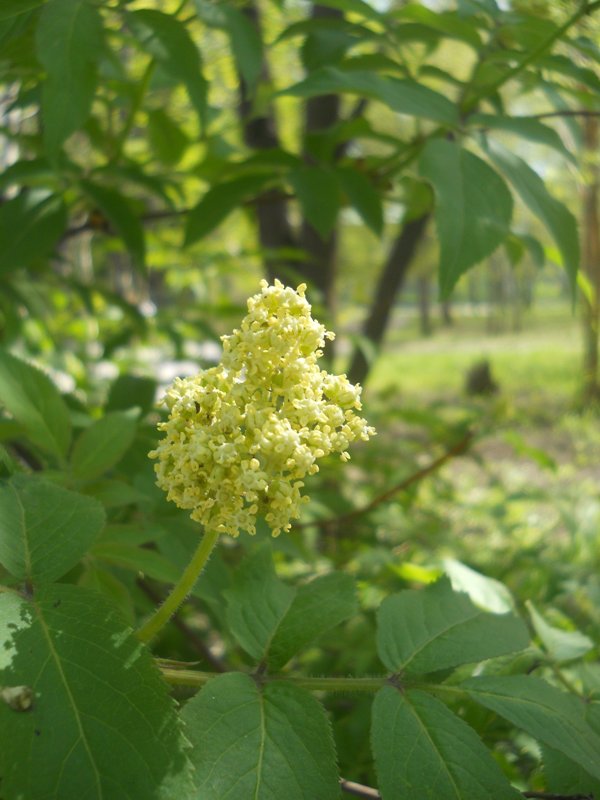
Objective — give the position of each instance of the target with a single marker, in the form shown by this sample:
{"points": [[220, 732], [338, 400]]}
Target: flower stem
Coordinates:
{"points": [[181, 589]]}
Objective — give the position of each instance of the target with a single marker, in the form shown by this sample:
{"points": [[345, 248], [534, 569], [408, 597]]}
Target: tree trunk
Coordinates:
{"points": [[591, 265], [390, 282], [424, 296]]}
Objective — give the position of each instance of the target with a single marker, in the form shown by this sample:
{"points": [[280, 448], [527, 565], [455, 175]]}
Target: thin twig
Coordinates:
{"points": [[551, 796], [192, 637], [367, 792], [359, 790], [456, 450], [566, 112]]}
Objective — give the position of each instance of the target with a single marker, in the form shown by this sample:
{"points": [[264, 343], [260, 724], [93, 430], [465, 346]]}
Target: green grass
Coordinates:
{"points": [[542, 361]]}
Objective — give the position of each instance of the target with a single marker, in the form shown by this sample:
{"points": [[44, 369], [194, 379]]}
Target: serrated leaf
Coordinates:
{"points": [[218, 202], [318, 193], [363, 197], [434, 628], [246, 44], [257, 602], [265, 744], [30, 226], [103, 444], [563, 775], [34, 401], [318, 606], [527, 128], [549, 715], [44, 529], [167, 39], [69, 39], [422, 749], [473, 207], [560, 645], [556, 217], [101, 724], [118, 212], [404, 96]]}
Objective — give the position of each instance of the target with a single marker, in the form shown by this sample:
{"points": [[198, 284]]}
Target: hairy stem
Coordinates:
{"points": [[196, 678], [181, 589]]}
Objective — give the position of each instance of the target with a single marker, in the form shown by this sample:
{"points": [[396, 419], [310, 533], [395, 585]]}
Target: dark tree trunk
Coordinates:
{"points": [[424, 296], [390, 282], [591, 266]]}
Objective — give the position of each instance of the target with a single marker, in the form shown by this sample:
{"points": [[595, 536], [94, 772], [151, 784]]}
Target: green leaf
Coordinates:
{"points": [[549, 715], [318, 193], [527, 128], [363, 197], [11, 8], [103, 444], [448, 24], [218, 202], [473, 207], [264, 744], [167, 139], [487, 593], [560, 645], [402, 95], [356, 7], [424, 750], [430, 629], [44, 529], [257, 602], [556, 217], [118, 212], [101, 724], [34, 401], [129, 391], [30, 225], [246, 44], [318, 606], [138, 559], [563, 775], [165, 38], [69, 39]]}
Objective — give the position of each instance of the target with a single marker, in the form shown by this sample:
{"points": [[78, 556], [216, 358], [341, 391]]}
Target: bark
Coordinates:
{"points": [[275, 231], [391, 280], [424, 296], [591, 266], [321, 114]]}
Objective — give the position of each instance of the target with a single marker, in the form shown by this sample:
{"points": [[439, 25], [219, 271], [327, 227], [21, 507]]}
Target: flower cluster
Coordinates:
{"points": [[242, 436]]}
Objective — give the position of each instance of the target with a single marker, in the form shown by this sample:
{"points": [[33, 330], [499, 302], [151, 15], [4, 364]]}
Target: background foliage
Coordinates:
{"points": [[430, 170]]}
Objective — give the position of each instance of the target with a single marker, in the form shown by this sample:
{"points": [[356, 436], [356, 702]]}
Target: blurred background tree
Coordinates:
{"points": [[150, 150]]}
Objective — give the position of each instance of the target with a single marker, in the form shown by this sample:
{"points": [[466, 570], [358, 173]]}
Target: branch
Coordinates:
{"points": [[456, 450], [359, 790], [551, 796], [567, 112], [97, 223], [490, 88]]}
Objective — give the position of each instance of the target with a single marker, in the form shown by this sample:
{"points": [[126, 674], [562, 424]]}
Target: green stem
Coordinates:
{"points": [[181, 589], [195, 678]]}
